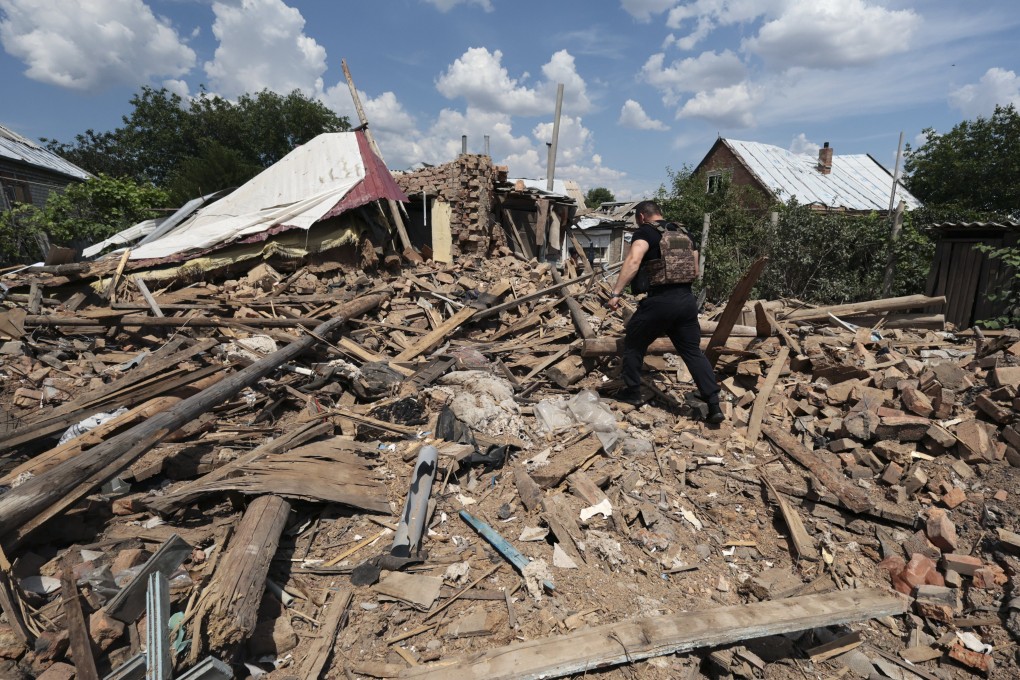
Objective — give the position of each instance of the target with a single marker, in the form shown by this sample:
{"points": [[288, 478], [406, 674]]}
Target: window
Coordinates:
{"points": [[15, 192], [715, 180]]}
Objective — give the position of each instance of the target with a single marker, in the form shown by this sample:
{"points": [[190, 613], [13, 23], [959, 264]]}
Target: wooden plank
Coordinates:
{"points": [[741, 292], [192, 490], [771, 320], [74, 621], [636, 639], [576, 313], [149, 300], [853, 497], [762, 399], [803, 544], [437, 335], [21, 504], [334, 618], [870, 307]]}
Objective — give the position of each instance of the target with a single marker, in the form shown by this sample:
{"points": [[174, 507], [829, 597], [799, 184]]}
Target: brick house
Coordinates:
{"points": [[855, 183]]}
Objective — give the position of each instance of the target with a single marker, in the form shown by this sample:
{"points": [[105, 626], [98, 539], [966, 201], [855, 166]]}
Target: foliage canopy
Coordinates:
{"points": [[166, 139], [597, 196]]}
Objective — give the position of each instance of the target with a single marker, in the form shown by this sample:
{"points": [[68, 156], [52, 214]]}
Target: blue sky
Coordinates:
{"points": [[648, 84]]}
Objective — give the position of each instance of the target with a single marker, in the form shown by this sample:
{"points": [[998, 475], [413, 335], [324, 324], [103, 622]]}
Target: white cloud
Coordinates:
{"points": [[722, 12], [94, 45], [996, 87], [178, 87], [801, 144], [709, 70], [447, 5], [833, 34], [480, 78], [262, 45], [731, 106], [632, 115], [642, 10]]}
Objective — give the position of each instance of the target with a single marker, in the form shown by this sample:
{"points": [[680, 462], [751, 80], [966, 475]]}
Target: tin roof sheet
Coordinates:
{"points": [[17, 148], [857, 181]]}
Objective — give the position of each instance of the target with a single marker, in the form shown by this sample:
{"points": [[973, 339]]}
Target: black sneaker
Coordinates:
{"points": [[715, 414]]}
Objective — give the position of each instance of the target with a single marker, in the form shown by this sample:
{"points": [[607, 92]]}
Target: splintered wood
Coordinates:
{"points": [[254, 440]]}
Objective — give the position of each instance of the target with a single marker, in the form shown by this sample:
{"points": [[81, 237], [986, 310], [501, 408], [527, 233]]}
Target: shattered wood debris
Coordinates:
{"points": [[254, 439]]}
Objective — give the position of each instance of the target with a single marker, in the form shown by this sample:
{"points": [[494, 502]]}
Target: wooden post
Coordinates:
{"points": [[733, 306], [894, 235], [22, 503], [409, 251], [74, 621]]}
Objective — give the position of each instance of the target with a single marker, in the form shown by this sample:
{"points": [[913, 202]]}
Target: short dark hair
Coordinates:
{"points": [[648, 208]]}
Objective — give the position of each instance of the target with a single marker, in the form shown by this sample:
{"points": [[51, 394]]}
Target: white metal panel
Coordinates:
{"points": [[296, 191]]}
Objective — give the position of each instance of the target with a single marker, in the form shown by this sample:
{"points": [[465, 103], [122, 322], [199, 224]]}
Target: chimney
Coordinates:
{"points": [[825, 159]]}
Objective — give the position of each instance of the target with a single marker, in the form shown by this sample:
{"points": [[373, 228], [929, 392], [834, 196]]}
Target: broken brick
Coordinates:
{"points": [[940, 530]]}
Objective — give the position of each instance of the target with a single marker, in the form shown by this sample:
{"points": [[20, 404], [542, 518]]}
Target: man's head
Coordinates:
{"points": [[647, 211]]}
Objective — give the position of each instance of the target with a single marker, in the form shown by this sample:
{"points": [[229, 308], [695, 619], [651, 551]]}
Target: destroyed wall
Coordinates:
{"points": [[466, 184]]}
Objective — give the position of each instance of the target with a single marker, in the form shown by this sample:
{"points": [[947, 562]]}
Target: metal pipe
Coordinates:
{"points": [[407, 540], [463, 145]]}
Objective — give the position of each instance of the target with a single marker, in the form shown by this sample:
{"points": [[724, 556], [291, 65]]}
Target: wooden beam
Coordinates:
{"points": [[762, 400], [19, 505], [596, 347], [437, 335], [334, 618], [741, 292], [74, 621], [149, 300], [409, 252], [517, 302], [803, 544], [636, 639], [896, 304], [240, 580], [576, 313], [853, 497]]}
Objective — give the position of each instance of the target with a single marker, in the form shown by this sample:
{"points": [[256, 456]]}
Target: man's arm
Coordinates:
{"points": [[631, 263]]}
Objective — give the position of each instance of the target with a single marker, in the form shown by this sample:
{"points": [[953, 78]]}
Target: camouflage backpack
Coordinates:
{"points": [[677, 263]]}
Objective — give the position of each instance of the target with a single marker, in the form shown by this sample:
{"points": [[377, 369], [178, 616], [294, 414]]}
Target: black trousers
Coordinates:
{"points": [[672, 312]]}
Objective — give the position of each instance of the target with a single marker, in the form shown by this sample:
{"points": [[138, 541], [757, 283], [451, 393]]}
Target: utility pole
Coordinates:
{"points": [[555, 139], [895, 224]]}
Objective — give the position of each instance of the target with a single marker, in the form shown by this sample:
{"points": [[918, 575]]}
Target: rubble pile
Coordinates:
{"points": [[302, 473]]}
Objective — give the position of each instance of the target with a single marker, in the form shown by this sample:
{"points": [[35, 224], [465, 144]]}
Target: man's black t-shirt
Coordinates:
{"points": [[649, 232]]}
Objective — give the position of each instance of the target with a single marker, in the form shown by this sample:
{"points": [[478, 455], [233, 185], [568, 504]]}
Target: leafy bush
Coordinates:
{"points": [[21, 240], [83, 214]]}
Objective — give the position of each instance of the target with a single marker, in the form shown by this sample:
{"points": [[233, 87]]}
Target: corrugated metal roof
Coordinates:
{"points": [[1005, 224], [17, 148], [857, 181]]}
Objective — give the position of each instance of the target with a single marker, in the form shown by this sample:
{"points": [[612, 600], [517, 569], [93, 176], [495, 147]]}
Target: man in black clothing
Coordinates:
{"points": [[669, 309]]}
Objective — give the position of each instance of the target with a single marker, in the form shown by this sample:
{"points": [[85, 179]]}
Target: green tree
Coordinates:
{"points": [[975, 166], [217, 167], [164, 132], [597, 196], [971, 174]]}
